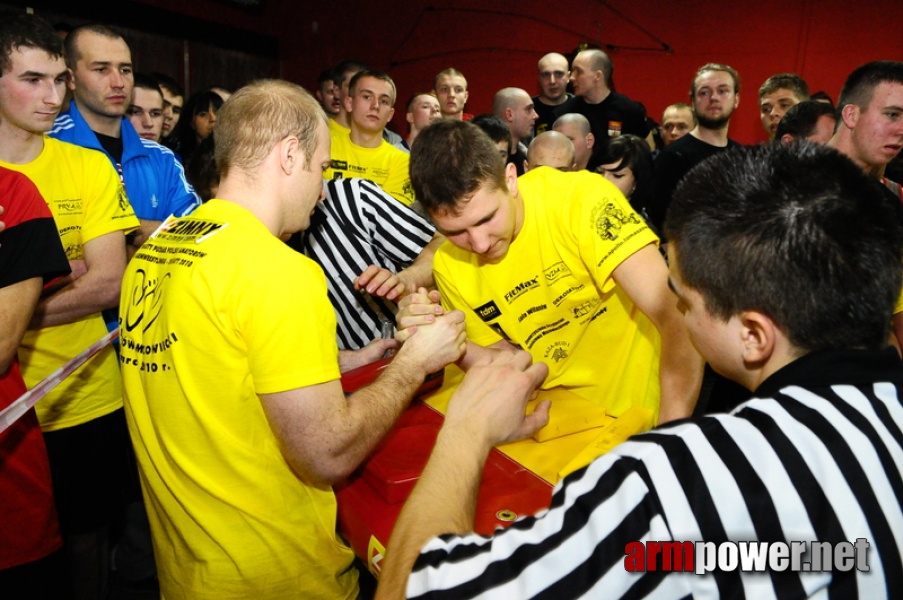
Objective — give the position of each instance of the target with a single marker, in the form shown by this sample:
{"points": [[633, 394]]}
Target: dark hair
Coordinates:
{"points": [[800, 119], [71, 44], [169, 84], [184, 138], [823, 97], [786, 81], [21, 30], [861, 83], [201, 170], [147, 82], [494, 126], [326, 75], [795, 231], [633, 151], [345, 66], [450, 160]]}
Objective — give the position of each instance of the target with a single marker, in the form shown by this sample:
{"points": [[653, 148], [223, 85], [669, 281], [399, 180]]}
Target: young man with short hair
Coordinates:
{"points": [[558, 264], [451, 90], [362, 151], [102, 80], [328, 93], [422, 109], [786, 264], [173, 100], [237, 415], [146, 108], [776, 96], [82, 418], [810, 120]]}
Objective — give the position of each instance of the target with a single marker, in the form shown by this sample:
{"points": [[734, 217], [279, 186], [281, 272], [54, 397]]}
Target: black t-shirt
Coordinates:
{"points": [[546, 115], [672, 164], [614, 116]]}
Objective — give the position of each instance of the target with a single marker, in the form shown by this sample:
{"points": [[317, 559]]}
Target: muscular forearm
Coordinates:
{"points": [[443, 501], [680, 372], [85, 296], [475, 353], [420, 273]]}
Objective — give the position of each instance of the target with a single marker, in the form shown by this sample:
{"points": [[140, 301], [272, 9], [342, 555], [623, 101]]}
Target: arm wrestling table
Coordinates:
{"points": [[518, 477]]}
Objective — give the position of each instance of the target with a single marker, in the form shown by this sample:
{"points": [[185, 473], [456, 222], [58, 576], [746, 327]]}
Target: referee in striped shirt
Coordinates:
{"points": [[785, 262]]}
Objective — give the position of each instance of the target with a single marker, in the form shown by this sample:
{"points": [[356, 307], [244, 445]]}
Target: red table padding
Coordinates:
{"points": [[370, 500]]}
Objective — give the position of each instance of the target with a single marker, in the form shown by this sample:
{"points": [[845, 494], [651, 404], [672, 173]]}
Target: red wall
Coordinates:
{"points": [[497, 45]]}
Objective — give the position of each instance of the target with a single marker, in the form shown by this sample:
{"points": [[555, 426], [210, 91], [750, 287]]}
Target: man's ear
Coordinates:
{"points": [[590, 140], [758, 336], [347, 102], [409, 117], [290, 155], [70, 82], [511, 178], [850, 115]]}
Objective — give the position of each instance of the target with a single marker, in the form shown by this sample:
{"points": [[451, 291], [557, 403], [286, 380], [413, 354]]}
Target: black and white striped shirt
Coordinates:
{"points": [[359, 225], [816, 455]]}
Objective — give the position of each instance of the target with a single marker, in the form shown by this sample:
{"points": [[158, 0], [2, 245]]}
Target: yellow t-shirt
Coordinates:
{"points": [[553, 294], [216, 311], [87, 200], [385, 165]]}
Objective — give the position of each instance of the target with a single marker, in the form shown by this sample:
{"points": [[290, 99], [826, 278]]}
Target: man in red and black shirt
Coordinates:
{"points": [[31, 254]]}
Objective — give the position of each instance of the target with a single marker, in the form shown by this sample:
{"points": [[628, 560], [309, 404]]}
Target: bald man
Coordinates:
{"points": [[576, 128], [610, 114], [550, 149], [514, 106], [677, 121], [553, 75]]}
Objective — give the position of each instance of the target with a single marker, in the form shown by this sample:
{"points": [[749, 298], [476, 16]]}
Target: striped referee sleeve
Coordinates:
{"points": [[359, 225], [808, 465]]}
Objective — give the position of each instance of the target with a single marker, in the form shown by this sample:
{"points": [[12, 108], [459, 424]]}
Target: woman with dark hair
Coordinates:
{"points": [[627, 163], [196, 123]]}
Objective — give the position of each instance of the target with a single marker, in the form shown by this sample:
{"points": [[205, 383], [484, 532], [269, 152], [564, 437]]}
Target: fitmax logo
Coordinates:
{"points": [[520, 288]]}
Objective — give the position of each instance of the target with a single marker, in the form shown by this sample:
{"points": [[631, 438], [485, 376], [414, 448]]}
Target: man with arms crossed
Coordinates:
{"points": [[30, 255], [815, 457], [83, 424], [231, 371], [102, 80], [557, 264]]}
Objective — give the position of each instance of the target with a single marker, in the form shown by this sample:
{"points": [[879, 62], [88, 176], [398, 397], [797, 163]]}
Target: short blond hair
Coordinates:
{"points": [[258, 116]]}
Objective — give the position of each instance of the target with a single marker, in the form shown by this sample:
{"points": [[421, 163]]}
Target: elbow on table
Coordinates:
{"points": [[323, 471]]}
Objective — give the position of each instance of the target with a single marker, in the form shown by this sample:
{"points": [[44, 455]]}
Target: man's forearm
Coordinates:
{"points": [[680, 373], [85, 296], [443, 501], [420, 273]]}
